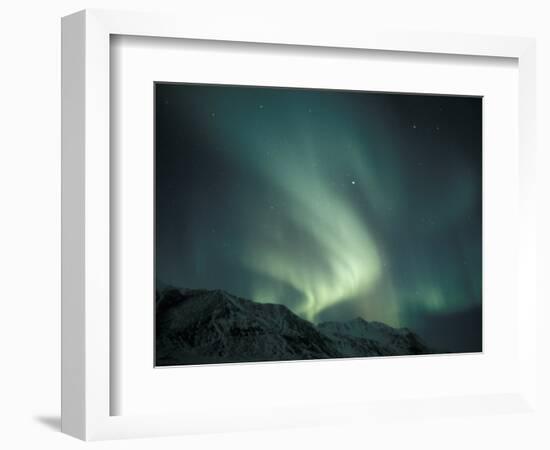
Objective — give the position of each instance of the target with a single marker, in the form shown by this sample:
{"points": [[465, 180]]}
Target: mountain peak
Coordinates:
{"points": [[200, 326]]}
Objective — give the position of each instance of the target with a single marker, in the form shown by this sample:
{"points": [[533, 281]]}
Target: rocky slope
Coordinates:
{"points": [[212, 326]]}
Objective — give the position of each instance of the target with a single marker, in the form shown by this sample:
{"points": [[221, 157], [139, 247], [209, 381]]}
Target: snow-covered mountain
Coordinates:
{"points": [[361, 338], [196, 326]]}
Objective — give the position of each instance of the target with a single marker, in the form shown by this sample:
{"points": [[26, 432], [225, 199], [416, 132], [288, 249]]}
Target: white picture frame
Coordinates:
{"points": [[86, 246]]}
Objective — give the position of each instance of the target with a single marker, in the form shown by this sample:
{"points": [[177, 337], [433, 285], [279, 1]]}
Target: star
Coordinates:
{"points": [[414, 125], [353, 182], [213, 114], [261, 106]]}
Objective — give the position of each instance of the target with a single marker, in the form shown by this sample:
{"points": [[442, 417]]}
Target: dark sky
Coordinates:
{"points": [[337, 204]]}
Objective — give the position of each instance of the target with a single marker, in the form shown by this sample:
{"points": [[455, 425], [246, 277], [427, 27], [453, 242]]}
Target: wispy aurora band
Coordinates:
{"points": [[347, 262]]}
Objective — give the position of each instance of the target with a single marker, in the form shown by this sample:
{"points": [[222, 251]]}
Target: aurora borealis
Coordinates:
{"points": [[337, 204]]}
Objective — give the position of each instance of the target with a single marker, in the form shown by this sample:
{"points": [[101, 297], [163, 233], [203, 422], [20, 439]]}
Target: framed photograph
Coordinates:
{"points": [[288, 213]]}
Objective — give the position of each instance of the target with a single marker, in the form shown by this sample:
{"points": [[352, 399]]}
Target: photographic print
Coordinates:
{"points": [[303, 224]]}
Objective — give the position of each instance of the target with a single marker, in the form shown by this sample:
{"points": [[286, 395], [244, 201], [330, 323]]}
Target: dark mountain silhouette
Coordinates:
{"points": [[198, 326]]}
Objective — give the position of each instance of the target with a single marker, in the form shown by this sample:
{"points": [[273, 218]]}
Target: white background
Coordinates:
{"points": [[29, 226]]}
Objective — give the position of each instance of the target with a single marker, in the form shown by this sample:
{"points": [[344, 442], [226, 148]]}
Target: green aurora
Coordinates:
{"points": [[335, 203]]}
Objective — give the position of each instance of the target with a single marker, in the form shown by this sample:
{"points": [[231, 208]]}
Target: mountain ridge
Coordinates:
{"points": [[201, 326]]}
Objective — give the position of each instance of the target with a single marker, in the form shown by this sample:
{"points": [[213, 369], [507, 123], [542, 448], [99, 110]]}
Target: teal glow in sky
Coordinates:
{"points": [[337, 204]]}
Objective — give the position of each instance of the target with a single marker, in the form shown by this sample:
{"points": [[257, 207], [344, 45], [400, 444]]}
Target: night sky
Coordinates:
{"points": [[337, 204]]}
